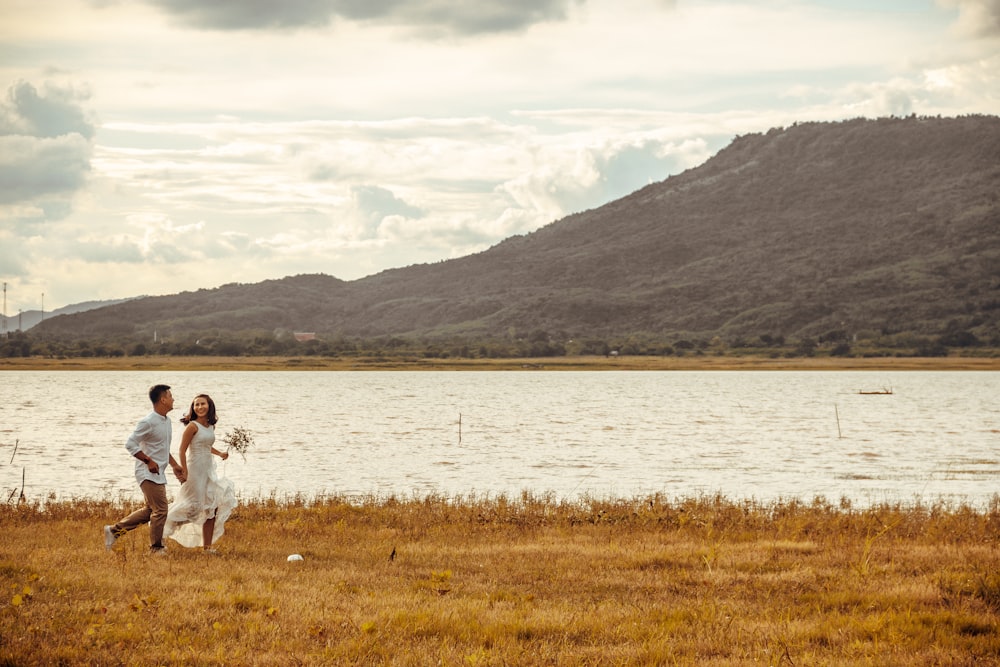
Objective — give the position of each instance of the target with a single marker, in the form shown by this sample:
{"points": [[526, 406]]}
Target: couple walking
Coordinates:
{"points": [[198, 516]]}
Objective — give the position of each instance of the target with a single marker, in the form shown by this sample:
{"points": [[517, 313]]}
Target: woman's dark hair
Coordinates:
{"points": [[190, 416]]}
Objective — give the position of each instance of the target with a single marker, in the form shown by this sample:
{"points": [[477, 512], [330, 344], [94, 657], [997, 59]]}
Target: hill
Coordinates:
{"points": [[30, 318], [886, 225]]}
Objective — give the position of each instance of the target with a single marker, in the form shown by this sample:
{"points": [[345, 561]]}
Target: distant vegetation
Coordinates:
{"points": [[535, 344], [864, 237]]}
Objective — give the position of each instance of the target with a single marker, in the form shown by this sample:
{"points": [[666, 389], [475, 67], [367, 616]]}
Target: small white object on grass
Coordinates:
{"points": [[294, 558]]}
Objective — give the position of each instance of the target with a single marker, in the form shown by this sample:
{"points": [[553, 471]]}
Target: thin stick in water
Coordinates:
{"points": [[837, 411], [15, 451]]}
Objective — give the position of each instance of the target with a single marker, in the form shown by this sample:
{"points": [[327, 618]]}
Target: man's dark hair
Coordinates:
{"points": [[156, 391]]}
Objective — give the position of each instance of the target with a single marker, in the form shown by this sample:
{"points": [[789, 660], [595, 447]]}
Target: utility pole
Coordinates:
{"points": [[3, 316]]}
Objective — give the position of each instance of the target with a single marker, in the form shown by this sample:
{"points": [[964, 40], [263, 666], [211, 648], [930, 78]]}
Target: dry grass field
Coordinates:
{"points": [[509, 581]]}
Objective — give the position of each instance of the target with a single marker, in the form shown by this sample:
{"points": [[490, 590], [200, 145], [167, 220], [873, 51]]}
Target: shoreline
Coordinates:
{"points": [[622, 363]]}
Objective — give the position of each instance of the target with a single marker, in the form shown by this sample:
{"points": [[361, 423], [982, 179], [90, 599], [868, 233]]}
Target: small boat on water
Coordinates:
{"points": [[878, 391]]}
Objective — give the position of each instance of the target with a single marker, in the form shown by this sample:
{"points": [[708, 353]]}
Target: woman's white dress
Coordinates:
{"points": [[202, 496]]}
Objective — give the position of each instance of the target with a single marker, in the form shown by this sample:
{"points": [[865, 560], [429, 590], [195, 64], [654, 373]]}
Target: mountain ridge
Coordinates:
{"points": [[27, 319], [886, 225]]}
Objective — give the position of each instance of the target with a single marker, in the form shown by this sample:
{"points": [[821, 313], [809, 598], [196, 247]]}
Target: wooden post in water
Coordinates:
{"points": [[837, 411]]}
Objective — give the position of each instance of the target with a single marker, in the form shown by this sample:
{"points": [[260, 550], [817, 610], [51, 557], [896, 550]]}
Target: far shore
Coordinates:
{"points": [[615, 363]]}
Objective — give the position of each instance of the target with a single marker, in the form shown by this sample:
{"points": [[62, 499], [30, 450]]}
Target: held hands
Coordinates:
{"points": [[180, 474]]}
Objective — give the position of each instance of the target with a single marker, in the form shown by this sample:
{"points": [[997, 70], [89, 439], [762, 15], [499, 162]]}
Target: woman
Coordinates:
{"points": [[199, 514]]}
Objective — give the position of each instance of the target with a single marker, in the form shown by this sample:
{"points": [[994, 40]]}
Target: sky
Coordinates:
{"points": [[159, 146]]}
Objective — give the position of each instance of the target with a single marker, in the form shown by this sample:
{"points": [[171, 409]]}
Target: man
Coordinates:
{"points": [[150, 445]]}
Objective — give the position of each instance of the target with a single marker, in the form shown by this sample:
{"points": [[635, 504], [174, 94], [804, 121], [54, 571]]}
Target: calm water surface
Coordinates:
{"points": [[761, 435]]}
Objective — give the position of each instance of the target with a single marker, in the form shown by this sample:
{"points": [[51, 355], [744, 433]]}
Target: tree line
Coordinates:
{"points": [[537, 343]]}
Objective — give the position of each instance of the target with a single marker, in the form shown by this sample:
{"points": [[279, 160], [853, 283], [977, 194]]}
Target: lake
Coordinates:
{"points": [[762, 435]]}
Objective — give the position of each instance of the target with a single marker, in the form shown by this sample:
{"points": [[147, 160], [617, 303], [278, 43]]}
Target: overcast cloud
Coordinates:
{"points": [[158, 146], [428, 16]]}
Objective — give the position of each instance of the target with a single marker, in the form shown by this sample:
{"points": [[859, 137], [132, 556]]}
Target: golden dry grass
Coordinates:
{"points": [[692, 362], [501, 581]]}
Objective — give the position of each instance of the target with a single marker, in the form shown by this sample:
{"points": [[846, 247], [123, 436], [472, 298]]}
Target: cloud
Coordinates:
{"points": [[99, 252], [12, 256], [374, 204], [35, 168], [45, 151], [459, 18], [977, 18], [628, 167], [53, 113], [562, 182], [164, 241]]}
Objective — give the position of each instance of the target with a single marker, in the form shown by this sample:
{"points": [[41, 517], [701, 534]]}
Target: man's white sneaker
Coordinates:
{"points": [[109, 538], [158, 551]]}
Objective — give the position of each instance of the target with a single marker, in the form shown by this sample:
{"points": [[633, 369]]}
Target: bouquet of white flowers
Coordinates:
{"points": [[240, 440]]}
